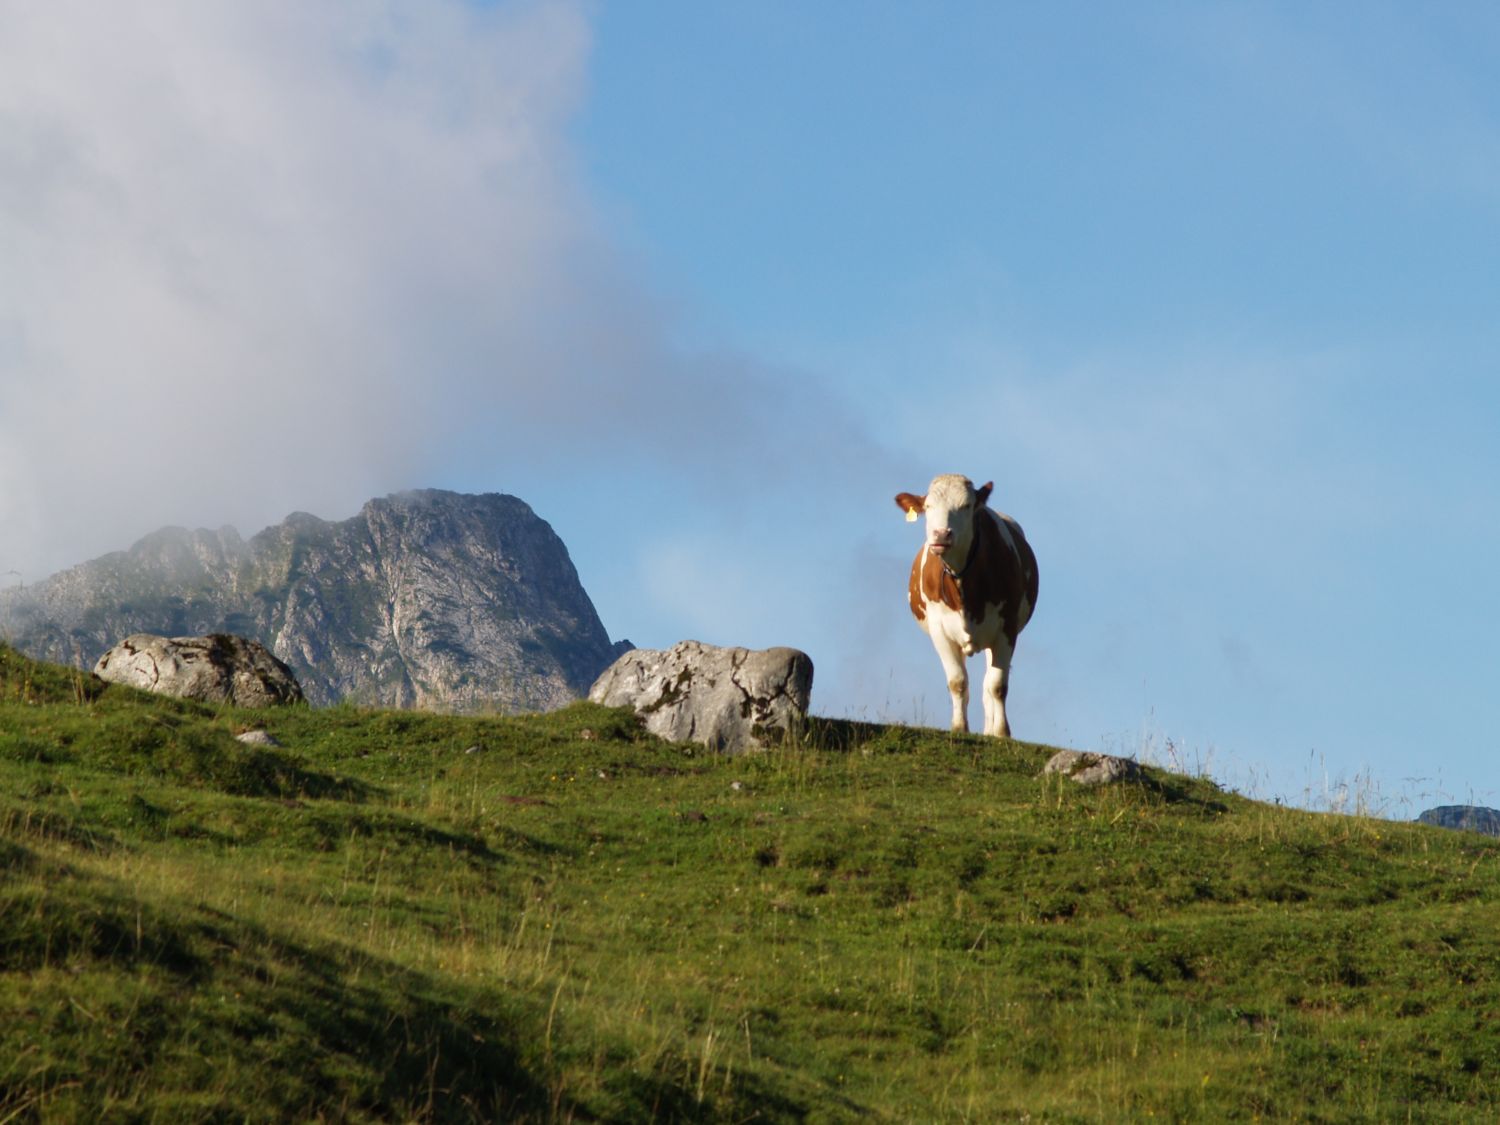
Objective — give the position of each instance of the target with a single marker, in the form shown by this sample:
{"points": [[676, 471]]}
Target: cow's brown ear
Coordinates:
{"points": [[982, 497], [911, 505]]}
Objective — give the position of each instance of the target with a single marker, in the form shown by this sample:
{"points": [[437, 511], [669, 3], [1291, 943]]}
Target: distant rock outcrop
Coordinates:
{"points": [[425, 599], [1465, 818], [728, 699], [216, 669]]}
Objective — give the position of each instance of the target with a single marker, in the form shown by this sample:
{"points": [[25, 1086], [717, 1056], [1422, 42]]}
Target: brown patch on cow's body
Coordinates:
{"points": [[993, 574], [914, 588]]}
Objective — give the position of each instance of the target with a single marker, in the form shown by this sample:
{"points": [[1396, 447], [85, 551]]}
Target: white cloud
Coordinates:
{"points": [[248, 248], [275, 256]]}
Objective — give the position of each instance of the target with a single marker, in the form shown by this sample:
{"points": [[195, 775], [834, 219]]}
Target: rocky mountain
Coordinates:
{"points": [[1466, 818], [425, 599]]}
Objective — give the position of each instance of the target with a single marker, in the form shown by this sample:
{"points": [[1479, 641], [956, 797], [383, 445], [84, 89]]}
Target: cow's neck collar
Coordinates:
{"points": [[957, 575]]}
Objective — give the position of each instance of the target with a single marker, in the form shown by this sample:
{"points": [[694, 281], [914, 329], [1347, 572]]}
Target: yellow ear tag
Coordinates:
{"points": [[911, 515]]}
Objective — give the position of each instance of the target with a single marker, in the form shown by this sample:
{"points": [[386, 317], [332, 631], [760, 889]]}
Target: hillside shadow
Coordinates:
{"points": [[819, 733], [392, 1043], [843, 735], [1174, 790], [426, 1056], [269, 773]]}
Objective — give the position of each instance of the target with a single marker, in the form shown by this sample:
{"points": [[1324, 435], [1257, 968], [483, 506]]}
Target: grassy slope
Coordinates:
{"points": [[379, 923]]}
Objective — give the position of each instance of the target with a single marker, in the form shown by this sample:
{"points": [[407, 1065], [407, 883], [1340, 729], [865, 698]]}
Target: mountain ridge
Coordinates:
{"points": [[430, 599]]}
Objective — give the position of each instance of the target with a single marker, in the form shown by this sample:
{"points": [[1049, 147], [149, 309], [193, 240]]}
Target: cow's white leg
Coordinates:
{"points": [[996, 687], [958, 680]]}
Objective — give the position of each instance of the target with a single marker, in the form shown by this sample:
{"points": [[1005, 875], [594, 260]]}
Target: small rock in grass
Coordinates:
{"points": [[1087, 768], [257, 738]]}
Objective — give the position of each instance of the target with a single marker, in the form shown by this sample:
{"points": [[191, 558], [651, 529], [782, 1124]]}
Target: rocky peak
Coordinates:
{"points": [[429, 599], [1464, 818]]}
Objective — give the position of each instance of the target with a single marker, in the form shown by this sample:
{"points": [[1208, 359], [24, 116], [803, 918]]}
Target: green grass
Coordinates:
{"points": [[410, 917]]}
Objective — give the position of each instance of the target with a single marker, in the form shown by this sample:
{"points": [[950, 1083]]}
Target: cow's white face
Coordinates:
{"points": [[950, 506]]}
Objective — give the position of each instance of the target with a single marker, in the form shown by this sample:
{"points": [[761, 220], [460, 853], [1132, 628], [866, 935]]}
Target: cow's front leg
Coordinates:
{"points": [[958, 680], [996, 687]]}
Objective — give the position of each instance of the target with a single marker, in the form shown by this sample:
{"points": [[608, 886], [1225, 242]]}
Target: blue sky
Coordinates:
{"points": [[1207, 290]]}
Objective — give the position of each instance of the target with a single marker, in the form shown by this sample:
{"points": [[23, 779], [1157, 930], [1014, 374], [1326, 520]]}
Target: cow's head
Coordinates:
{"points": [[950, 505]]}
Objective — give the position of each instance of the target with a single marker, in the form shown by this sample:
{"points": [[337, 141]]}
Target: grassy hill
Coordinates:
{"points": [[411, 917]]}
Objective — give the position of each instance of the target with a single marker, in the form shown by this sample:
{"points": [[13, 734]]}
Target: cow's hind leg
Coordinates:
{"points": [[996, 687], [958, 680]]}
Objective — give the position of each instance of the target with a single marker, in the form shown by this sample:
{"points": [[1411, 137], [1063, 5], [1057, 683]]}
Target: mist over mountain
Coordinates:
{"points": [[427, 599]]}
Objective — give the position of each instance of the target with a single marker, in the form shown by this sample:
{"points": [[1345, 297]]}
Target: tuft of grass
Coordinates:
{"points": [[401, 916]]}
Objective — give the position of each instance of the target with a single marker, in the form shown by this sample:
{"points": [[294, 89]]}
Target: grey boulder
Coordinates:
{"points": [[218, 668], [1087, 768], [728, 699]]}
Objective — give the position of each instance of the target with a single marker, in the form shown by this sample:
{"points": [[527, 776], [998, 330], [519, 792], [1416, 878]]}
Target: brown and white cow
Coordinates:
{"points": [[973, 586]]}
